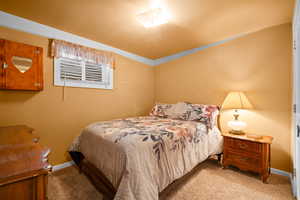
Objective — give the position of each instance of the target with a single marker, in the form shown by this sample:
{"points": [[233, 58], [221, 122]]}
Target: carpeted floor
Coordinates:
{"points": [[207, 182]]}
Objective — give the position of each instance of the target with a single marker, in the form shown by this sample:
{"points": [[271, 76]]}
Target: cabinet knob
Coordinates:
{"points": [[5, 65], [36, 140]]}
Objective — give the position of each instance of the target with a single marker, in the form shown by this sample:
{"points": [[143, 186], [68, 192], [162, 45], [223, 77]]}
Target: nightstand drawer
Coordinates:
{"points": [[241, 160], [243, 145]]}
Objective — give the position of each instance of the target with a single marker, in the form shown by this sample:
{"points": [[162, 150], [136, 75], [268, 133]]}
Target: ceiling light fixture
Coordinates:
{"points": [[153, 17]]}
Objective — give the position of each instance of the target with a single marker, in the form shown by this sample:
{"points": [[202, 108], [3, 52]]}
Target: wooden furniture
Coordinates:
{"points": [[248, 154], [21, 66], [23, 164]]}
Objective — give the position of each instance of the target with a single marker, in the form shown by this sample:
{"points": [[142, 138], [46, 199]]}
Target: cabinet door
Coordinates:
{"points": [[2, 78], [22, 66]]}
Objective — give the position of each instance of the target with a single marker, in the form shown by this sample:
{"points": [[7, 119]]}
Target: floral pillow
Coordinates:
{"points": [[160, 110], [206, 114], [172, 111], [178, 110]]}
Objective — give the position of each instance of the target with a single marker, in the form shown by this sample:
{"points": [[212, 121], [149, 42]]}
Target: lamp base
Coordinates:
{"points": [[234, 132]]}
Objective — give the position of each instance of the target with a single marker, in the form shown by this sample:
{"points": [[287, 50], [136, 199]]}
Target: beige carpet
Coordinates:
{"points": [[207, 182]]}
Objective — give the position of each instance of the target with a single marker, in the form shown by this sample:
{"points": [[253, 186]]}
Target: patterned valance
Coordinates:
{"points": [[61, 48]]}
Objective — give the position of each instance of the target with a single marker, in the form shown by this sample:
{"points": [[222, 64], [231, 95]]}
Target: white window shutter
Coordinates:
{"points": [[70, 69], [93, 72], [78, 73]]}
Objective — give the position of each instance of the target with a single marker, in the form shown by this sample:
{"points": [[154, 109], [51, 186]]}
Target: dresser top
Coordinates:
{"points": [[20, 134], [264, 139], [20, 152]]}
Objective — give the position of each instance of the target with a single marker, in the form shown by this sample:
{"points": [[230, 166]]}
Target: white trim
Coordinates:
{"points": [[293, 184], [295, 179], [62, 166], [280, 172], [286, 174], [162, 60], [25, 25], [70, 163], [273, 171]]}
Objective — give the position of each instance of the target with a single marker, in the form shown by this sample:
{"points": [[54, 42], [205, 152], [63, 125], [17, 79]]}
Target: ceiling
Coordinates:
{"points": [[193, 23]]}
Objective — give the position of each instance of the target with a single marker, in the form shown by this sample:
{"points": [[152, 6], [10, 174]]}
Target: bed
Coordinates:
{"points": [[137, 158]]}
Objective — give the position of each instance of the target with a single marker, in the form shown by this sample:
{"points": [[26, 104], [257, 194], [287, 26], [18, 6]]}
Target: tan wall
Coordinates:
{"points": [[259, 64], [58, 121]]}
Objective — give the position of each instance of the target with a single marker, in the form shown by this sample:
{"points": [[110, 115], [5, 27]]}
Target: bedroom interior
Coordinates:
{"points": [[152, 99]]}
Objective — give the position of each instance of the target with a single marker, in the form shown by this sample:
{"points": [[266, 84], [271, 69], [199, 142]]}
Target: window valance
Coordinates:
{"points": [[61, 48]]}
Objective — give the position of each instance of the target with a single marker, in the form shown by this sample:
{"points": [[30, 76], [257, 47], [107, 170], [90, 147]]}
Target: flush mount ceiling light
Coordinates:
{"points": [[153, 17]]}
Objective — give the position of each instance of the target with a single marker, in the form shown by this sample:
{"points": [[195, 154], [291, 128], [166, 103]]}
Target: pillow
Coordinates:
{"points": [[159, 110], [172, 111], [178, 111], [204, 113]]}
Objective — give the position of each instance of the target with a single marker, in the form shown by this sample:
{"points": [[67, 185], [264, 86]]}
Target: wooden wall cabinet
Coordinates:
{"points": [[21, 66]]}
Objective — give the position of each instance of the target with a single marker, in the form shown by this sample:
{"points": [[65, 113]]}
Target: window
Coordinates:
{"points": [[79, 73]]}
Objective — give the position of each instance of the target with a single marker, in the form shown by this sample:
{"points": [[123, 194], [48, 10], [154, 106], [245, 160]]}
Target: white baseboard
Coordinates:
{"points": [[280, 172], [287, 174], [62, 166], [294, 187], [273, 170]]}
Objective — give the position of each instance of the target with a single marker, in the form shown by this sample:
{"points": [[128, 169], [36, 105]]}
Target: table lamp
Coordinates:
{"points": [[236, 101]]}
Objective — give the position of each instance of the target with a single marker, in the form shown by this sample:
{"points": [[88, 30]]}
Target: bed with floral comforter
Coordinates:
{"points": [[141, 156]]}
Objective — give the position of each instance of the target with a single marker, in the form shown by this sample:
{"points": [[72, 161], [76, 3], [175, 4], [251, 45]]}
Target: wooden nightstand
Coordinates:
{"points": [[248, 154]]}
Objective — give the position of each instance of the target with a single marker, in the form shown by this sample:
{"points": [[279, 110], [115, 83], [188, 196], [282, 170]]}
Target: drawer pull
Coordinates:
{"points": [[243, 146], [5, 65], [244, 159]]}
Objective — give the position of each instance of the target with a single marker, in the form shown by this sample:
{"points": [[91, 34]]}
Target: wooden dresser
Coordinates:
{"points": [[23, 164], [248, 154]]}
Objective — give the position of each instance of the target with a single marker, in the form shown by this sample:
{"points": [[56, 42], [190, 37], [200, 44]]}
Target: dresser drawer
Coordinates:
{"points": [[250, 161], [243, 145]]}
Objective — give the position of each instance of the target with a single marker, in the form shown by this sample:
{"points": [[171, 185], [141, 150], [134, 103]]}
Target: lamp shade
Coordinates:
{"points": [[236, 100]]}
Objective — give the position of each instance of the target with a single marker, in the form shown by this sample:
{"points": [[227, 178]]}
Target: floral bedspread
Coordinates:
{"points": [[143, 155]]}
